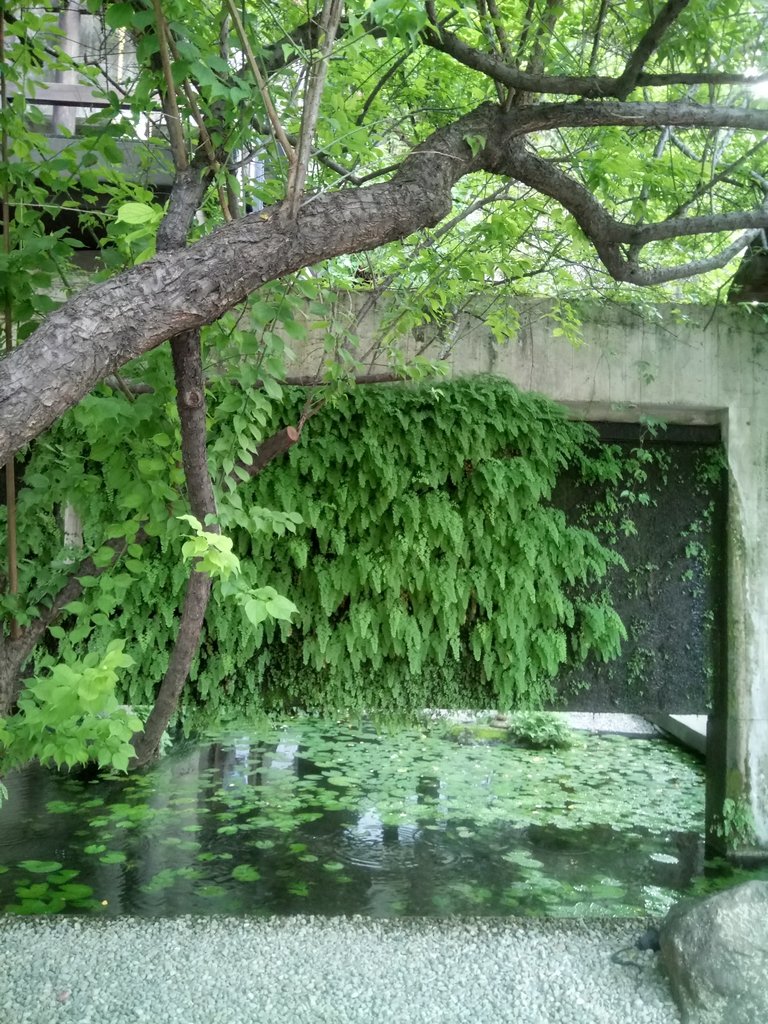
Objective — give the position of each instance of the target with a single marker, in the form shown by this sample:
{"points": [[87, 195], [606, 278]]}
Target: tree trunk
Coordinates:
{"points": [[190, 401], [147, 744], [11, 663]]}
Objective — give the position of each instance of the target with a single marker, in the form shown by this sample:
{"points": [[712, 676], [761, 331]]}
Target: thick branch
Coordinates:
{"points": [[587, 86], [190, 402], [99, 330], [189, 188], [269, 449], [184, 649], [607, 234]]}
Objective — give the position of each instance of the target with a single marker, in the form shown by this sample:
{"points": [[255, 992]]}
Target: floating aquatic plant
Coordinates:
{"points": [[332, 817]]}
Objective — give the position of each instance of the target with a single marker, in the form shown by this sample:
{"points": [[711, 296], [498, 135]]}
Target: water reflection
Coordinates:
{"points": [[327, 818]]}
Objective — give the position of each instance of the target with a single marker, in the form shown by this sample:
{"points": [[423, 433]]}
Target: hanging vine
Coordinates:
{"points": [[415, 533]]}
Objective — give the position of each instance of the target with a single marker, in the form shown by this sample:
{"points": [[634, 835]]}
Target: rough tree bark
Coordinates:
{"points": [[190, 402], [189, 188]]}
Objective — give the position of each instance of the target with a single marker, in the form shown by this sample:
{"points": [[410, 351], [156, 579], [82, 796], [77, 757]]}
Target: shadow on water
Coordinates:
{"points": [[326, 818]]}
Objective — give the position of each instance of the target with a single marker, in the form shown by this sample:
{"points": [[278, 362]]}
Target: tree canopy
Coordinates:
{"points": [[434, 152], [565, 142]]}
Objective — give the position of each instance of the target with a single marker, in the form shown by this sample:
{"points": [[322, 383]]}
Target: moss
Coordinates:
{"points": [[469, 733]]}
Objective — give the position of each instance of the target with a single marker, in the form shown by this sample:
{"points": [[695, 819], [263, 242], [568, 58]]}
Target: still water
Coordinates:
{"points": [[325, 817]]}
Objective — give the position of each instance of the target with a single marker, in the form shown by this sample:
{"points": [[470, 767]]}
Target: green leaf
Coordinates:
{"points": [[255, 610], [113, 857], [245, 873], [40, 867], [136, 213], [476, 143], [119, 15], [280, 607]]}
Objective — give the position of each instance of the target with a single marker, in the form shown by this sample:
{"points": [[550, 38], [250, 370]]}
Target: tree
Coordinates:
{"points": [[582, 147]]}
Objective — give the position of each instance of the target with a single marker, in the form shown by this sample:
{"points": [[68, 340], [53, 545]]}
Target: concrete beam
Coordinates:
{"points": [[690, 730]]}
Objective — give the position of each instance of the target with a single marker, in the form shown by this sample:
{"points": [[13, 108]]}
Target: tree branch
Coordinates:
{"points": [[587, 86], [597, 35], [607, 234], [329, 23], [260, 82], [104, 326], [628, 79], [268, 450], [172, 115], [16, 651], [705, 187]]}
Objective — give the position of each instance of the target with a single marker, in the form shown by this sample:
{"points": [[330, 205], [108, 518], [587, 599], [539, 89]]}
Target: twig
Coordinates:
{"points": [[329, 23], [172, 115], [261, 83], [596, 38]]}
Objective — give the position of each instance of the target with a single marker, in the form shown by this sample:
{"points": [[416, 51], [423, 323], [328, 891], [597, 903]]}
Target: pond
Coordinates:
{"points": [[325, 817]]}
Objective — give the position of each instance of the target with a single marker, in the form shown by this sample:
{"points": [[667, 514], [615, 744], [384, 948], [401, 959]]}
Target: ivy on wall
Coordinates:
{"points": [[429, 566], [433, 568]]}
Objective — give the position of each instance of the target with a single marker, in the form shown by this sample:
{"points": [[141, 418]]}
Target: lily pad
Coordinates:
{"points": [[211, 891], [113, 857], [32, 892], [75, 891], [59, 877], [245, 873], [40, 867], [60, 806]]}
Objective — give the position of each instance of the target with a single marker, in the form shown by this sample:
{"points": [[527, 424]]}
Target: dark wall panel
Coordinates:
{"points": [[672, 596]]}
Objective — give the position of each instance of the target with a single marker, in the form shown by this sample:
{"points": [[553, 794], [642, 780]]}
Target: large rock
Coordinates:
{"points": [[715, 952]]}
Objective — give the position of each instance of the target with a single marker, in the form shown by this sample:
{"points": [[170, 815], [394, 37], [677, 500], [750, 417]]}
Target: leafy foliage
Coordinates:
{"points": [[424, 572], [436, 572], [540, 730], [72, 716]]}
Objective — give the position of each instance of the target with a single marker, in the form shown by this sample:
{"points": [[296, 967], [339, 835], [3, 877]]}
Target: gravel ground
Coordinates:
{"points": [[588, 721], [628, 725], [304, 970]]}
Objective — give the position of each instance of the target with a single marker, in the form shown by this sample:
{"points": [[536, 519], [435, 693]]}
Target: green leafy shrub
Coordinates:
{"points": [[539, 729], [72, 717]]}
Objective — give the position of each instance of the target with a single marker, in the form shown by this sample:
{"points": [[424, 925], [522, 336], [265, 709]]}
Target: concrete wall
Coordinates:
{"points": [[689, 365]]}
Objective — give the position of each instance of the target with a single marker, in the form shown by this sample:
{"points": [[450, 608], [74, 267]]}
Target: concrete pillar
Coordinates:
{"points": [[738, 760]]}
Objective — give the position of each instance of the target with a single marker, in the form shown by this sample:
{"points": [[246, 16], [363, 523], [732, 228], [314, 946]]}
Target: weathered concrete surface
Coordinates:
{"points": [[690, 730], [689, 365]]}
